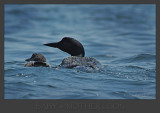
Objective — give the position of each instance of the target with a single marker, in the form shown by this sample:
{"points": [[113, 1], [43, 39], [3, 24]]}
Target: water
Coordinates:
{"points": [[121, 37]]}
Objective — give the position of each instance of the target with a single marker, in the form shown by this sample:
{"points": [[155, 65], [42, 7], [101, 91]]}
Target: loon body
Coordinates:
{"points": [[74, 61], [38, 60], [76, 50]]}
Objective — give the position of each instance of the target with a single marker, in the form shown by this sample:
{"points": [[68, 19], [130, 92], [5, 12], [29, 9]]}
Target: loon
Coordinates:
{"points": [[76, 50], [69, 45], [39, 60]]}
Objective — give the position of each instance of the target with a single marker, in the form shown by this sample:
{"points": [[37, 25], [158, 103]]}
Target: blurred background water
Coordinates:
{"points": [[122, 37]]}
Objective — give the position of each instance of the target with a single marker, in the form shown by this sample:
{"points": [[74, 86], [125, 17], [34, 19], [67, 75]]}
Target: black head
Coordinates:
{"points": [[69, 45], [37, 57]]}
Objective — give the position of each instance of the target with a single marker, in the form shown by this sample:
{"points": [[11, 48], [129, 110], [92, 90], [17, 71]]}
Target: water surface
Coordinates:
{"points": [[121, 37]]}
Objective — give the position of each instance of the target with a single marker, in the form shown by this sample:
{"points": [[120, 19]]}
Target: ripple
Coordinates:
{"points": [[10, 69], [20, 83], [123, 94], [48, 86], [82, 78], [143, 57], [25, 75], [105, 56], [51, 86], [57, 79], [135, 67], [137, 58], [17, 12], [90, 89], [29, 96], [12, 62]]}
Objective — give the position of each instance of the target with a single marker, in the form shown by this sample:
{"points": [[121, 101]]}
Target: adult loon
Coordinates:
{"points": [[69, 45], [38, 60], [76, 50]]}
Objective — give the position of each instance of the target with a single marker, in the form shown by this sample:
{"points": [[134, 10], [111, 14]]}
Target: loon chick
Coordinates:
{"points": [[76, 50], [39, 60], [69, 45]]}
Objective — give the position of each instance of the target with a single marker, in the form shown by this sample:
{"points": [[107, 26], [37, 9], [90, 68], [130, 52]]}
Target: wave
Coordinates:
{"points": [[137, 58]]}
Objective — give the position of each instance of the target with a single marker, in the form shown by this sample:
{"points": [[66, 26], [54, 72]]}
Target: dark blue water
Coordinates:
{"points": [[121, 37]]}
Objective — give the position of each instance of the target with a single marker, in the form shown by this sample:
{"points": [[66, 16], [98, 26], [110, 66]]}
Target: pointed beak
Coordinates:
{"points": [[30, 59], [51, 45]]}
